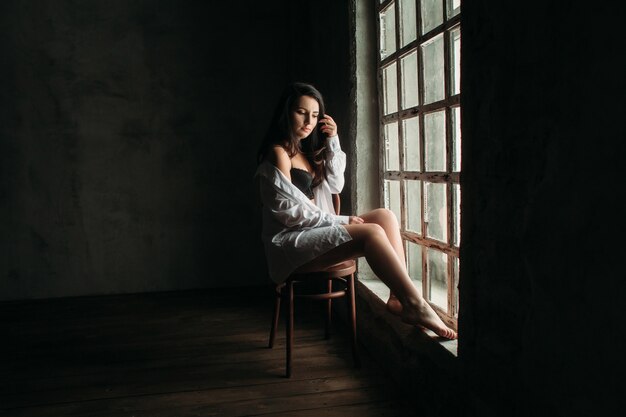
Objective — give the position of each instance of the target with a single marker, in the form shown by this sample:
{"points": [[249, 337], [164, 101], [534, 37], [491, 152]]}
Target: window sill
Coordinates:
{"points": [[419, 361], [379, 295]]}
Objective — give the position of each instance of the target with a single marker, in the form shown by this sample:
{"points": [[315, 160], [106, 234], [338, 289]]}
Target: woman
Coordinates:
{"points": [[300, 165]]}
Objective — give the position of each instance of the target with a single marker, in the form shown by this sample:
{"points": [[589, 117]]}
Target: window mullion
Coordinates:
{"points": [[449, 163], [399, 98], [420, 77]]}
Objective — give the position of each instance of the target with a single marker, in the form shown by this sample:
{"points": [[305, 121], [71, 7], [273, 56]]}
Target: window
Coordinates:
{"points": [[419, 95]]}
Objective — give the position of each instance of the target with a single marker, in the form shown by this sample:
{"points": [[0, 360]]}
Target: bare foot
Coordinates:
{"points": [[423, 315], [394, 306]]}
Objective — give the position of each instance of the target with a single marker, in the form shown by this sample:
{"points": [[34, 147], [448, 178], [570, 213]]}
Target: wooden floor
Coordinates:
{"points": [[191, 353]]}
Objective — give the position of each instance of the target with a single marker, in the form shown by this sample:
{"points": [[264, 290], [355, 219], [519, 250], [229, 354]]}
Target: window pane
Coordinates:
{"points": [[456, 139], [432, 14], [432, 55], [387, 31], [454, 7], [455, 61], [408, 30], [414, 263], [392, 153], [392, 197], [413, 204], [390, 89], [411, 135], [435, 211], [435, 141], [437, 277], [456, 214], [408, 69]]}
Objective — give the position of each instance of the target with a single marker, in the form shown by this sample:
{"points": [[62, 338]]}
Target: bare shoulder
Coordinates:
{"points": [[277, 153], [280, 158]]}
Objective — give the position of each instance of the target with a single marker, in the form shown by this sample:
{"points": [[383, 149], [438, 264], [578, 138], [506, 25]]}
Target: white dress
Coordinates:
{"points": [[296, 230]]}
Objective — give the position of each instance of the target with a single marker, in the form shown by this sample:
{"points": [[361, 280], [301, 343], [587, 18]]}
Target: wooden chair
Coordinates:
{"points": [[342, 275]]}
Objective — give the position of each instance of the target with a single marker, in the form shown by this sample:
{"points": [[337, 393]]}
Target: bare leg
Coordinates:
{"points": [[387, 220], [370, 240]]}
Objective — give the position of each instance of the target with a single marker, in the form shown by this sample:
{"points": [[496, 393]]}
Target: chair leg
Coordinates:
{"points": [[329, 311], [275, 320], [289, 327], [352, 313]]}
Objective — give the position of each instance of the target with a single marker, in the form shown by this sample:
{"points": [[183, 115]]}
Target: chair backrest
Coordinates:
{"points": [[337, 203]]}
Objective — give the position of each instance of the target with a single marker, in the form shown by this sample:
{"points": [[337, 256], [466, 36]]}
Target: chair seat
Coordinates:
{"points": [[341, 266], [340, 269]]}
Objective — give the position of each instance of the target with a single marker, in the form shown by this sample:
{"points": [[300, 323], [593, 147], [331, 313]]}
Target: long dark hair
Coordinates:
{"points": [[281, 133]]}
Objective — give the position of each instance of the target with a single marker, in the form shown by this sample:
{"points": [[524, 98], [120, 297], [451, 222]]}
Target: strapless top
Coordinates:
{"points": [[302, 179]]}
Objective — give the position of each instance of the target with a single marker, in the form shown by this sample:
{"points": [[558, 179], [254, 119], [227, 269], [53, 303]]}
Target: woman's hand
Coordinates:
{"points": [[329, 127], [356, 220]]}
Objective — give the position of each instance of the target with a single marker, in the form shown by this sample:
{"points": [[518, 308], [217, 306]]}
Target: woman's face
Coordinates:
{"points": [[304, 116]]}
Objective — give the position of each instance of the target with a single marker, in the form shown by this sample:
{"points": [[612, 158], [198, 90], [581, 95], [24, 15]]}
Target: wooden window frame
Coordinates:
{"points": [[449, 177]]}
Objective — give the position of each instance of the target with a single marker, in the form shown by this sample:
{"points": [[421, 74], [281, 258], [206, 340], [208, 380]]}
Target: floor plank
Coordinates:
{"points": [[187, 353]]}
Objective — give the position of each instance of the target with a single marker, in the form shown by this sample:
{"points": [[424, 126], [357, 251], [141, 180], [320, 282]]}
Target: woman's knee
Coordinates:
{"points": [[384, 216], [374, 230]]}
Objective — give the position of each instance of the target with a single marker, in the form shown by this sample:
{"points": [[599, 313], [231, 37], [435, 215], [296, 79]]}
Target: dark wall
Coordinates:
{"points": [[128, 138], [320, 54], [543, 147]]}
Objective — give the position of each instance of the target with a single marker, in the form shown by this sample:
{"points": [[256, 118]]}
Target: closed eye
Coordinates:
{"points": [[304, 112]]}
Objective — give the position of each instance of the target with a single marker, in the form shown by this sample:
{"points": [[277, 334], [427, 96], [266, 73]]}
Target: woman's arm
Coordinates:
{"points": [[335, 157], [335, 165], [291, 211]]}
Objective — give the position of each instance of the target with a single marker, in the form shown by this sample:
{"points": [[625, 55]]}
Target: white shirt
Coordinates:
{"points": [[296, 230]]}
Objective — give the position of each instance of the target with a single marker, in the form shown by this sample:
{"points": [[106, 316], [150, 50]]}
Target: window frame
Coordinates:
{"points": [[450, 177]]}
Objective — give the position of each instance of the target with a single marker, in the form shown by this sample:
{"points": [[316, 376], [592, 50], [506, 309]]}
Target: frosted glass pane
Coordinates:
{"points": [[432, 54], [456, 139], [413, 197], [411, 135], [454, 7], [456, 214], [435, 141], [387, 31], [435, 210], [432, 14], [437, 277], [392, 151], [408, 70], [390, 89], [414, 263], [392, 197], [408, 28], [455, 60]]}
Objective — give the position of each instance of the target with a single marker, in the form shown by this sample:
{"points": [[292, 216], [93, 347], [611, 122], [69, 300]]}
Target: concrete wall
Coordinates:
{"points": [[365, 150], [129, 131], [543, 148]]}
